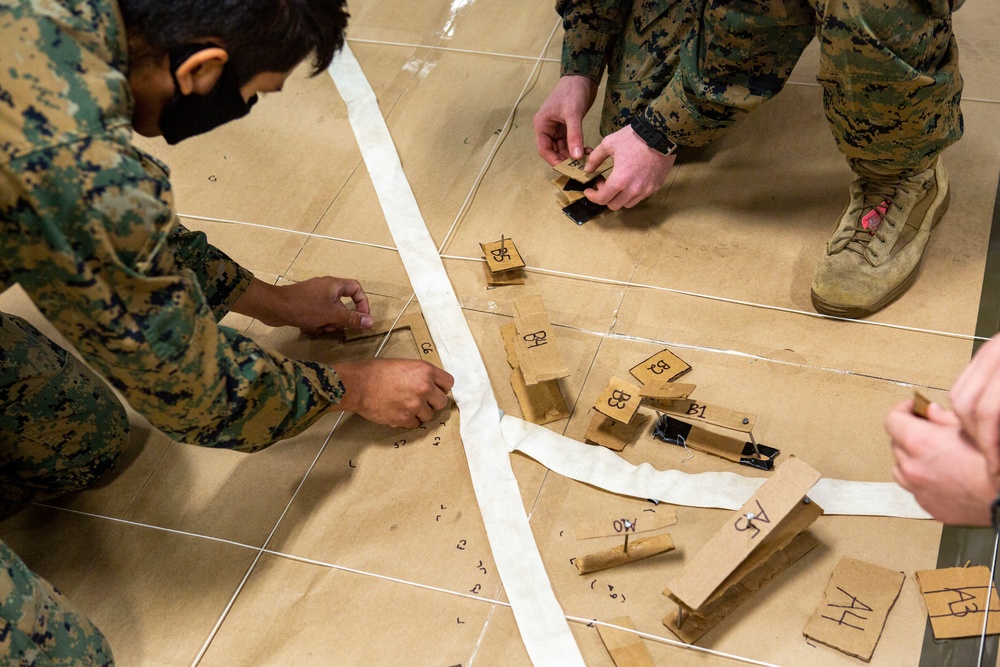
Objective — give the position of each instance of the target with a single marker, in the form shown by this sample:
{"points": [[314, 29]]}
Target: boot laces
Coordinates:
{"points": [[875, 202]]}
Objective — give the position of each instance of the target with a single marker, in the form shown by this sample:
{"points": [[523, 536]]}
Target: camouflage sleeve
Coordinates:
{"points": [[87, 230], [591, 28], [222, 280], [738, 57]]}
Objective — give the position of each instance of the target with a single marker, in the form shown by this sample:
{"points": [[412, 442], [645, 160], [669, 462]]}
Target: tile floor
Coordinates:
{"points": [[357, 544]]}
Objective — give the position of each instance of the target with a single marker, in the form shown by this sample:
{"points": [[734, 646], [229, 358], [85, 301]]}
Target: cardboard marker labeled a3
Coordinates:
{"points": [[538, 353]]}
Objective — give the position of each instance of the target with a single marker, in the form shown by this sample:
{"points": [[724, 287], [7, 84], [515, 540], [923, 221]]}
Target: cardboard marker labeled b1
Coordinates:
{"points": [[671, 429]]}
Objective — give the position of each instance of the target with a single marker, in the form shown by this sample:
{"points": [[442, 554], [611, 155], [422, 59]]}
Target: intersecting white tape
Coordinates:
{"points": [[488, 439], [543, 626], [604, 469]]}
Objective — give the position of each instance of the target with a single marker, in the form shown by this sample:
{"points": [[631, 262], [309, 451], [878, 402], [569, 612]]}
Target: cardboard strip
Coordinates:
{"points": [[664, 365], [613, 434], [541, 403], [637, 523], [696, 623], [504, 278], [956, 601], [626, 648], [542, 623], [921, 404], [744, 532], [666, 390], [703, 413], [422, 337], [638, 549], [855, 606], [619, 401]]}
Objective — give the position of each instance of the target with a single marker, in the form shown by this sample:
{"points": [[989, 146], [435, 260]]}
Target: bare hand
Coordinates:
{"points": [[975, 398], [941, 466], [559, 121], [639, 170], [313, 305], [394, 392]]}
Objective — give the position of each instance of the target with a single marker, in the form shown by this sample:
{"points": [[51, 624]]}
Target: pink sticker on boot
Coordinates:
{"points": [[873, 219]]}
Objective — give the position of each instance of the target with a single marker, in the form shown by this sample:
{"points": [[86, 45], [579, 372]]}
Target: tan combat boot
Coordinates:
{"points": [[874, 255]]}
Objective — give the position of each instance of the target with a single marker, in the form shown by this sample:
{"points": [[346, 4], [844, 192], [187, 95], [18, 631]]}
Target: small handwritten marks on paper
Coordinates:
{"points": [[856, 603], [619, 401], [664, 365], [956, 601], [622, 525]]}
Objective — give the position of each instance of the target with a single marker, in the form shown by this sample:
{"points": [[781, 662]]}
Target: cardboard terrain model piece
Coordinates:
{"points": [[755, 544], [571, 183], [855, 606], [626, 648], [681, 424], [956, 601], [540, 403], [628, 550], [614, 435], [413, 321], [662, 366], [504, 265], [536, 348]]}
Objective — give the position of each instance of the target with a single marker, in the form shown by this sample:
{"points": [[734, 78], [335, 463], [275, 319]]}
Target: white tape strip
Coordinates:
{"points": [[606, 470], [543, 626]]}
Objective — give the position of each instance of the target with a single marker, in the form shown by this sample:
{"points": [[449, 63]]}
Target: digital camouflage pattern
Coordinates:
{"points": [[889, 70], [87, 227], [639, 44], [61, 428], [40, 627]]}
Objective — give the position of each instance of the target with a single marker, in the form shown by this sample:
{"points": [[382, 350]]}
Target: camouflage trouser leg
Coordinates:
{"points": [[642, 61], [38, 626], [891, 85], [61, 427]]}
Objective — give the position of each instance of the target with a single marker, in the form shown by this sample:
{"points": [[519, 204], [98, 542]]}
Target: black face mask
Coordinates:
{"points": [[186, 116]]}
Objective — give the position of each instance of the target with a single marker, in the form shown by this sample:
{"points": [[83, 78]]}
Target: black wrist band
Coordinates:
{"points": [[652, 137], [995, 514]]}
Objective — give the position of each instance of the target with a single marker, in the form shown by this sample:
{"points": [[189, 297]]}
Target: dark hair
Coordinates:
{"points": [[259, 35]]}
